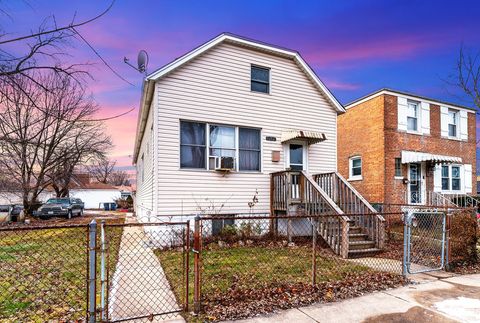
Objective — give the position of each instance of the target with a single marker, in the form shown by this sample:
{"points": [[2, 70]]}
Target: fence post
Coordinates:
{"points": [[187, 265], [92, 262], [103, 281], [196, 266], [405, 244], [314, 251]]}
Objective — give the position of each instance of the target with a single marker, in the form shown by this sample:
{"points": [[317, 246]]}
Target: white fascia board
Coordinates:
{"points": [[221, 38], [409, 97]]}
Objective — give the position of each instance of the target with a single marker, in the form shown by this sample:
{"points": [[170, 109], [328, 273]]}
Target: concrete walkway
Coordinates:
{"points": [[435, 299], [139, 284]]}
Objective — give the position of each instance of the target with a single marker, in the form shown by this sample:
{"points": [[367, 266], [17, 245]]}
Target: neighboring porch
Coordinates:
{"points": [[436, 180]]}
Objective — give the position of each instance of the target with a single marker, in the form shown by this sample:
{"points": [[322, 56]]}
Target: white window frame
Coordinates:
{"points": [[269, 79], [418, 111], [237, 147], [352, 177], [456, 124], [450, 178]]}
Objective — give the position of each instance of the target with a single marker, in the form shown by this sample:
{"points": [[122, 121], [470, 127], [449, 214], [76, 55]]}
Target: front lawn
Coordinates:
{"points": [[263, 275], [43, 273]]}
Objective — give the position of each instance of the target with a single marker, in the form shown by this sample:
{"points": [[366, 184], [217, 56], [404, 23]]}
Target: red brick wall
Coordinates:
{"points": [[370, 130], [360, 132], [396, 141]]}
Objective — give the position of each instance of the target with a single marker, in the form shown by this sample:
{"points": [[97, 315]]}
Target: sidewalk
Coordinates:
{"points": [[139, 285], [433, 299]]}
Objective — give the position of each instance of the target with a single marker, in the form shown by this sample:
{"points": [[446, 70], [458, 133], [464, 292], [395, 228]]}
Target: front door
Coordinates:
{"points": [[296, 154], [296, 162], [415, 183]]}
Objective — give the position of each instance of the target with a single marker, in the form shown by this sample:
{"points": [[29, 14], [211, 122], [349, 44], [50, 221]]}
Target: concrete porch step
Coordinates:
{"points": [[363, 252], [361, 245], [355, 230], [357, 236]]}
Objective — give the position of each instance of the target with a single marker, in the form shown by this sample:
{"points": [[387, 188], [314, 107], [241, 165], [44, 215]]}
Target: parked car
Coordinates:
{"points": [[4, 213], [11, 213], [64, 206]]}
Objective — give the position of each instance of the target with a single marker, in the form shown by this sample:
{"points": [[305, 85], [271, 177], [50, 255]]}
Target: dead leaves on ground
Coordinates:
{"points": [[241, 301]]}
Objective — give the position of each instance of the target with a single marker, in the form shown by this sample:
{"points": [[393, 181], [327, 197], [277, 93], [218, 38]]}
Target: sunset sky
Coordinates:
{"points": [[355, 47]]}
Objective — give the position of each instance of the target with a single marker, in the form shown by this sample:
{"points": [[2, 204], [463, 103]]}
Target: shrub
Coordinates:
{"points": [[463, 237]]}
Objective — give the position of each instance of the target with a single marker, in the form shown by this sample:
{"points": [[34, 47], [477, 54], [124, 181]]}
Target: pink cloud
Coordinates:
{"points": [[390, 47], [339, 85]]}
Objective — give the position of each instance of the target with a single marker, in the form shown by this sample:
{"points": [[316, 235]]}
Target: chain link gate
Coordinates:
{"points": [[424, 241], [126, 279]]}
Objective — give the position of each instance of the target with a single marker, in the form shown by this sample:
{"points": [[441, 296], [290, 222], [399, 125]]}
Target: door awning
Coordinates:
{"points": [[311, 137], [417, 157]]}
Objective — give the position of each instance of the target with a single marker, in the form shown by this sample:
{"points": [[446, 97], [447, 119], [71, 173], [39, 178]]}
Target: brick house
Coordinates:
{"points": [[396, 147]]}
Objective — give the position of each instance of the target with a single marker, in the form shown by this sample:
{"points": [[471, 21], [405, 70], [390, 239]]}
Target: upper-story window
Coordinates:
{"points": [[412, 116], [222, 142], [355, 165], [452, 123], [260, 79]]}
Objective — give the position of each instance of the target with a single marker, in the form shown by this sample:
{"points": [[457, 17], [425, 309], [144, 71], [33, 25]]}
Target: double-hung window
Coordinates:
{"points": [[455, 178], [412, 116], [249, 149], [260, 79], [452, 123], [192, 145], [355, 168], [243, 144], [451, 178], [222, 142], [445, 178], [398, 167]]}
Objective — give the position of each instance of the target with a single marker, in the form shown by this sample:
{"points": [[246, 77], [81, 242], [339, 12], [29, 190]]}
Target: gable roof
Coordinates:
{"points": [[148, 88], [392, 91]]}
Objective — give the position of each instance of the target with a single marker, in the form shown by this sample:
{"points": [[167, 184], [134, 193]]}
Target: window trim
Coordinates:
{"points": [[269, 83], [417, 117], [450, 178], [352, 177], [207, 147], [456, 124]]}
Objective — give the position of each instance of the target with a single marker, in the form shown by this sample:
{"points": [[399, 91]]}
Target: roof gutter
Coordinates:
{"points": [[147, 97]]}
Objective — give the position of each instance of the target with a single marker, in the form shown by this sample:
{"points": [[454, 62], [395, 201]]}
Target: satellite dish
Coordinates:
{"points": [[142, 61]]}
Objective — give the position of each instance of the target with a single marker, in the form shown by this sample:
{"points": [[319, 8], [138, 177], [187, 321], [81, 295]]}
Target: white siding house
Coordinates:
{"points": [[229, 97]]}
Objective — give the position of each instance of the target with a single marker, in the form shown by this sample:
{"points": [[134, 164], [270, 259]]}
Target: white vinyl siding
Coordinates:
{"points": [[144, 198], [215, 88]]}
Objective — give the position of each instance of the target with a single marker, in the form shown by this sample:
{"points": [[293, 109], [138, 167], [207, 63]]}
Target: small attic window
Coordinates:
{"points": [[260, 79]]}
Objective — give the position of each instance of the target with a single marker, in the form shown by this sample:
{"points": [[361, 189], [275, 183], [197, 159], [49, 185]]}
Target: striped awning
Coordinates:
{"points": [[311, 137], [417, 157]]}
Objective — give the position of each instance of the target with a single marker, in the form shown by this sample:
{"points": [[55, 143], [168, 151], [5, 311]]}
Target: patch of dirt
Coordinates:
{"points": [[414, 315], [240, 302]]}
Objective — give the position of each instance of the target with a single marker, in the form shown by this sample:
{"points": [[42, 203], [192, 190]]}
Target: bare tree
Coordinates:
{"points": [[467, 77], [89, 142], [101, 169], [41, 119], [119, 178]]}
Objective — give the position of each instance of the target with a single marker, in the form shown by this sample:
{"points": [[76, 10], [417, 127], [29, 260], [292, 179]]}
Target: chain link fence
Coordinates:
{"points": [[221, 266], [43, 274]]}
